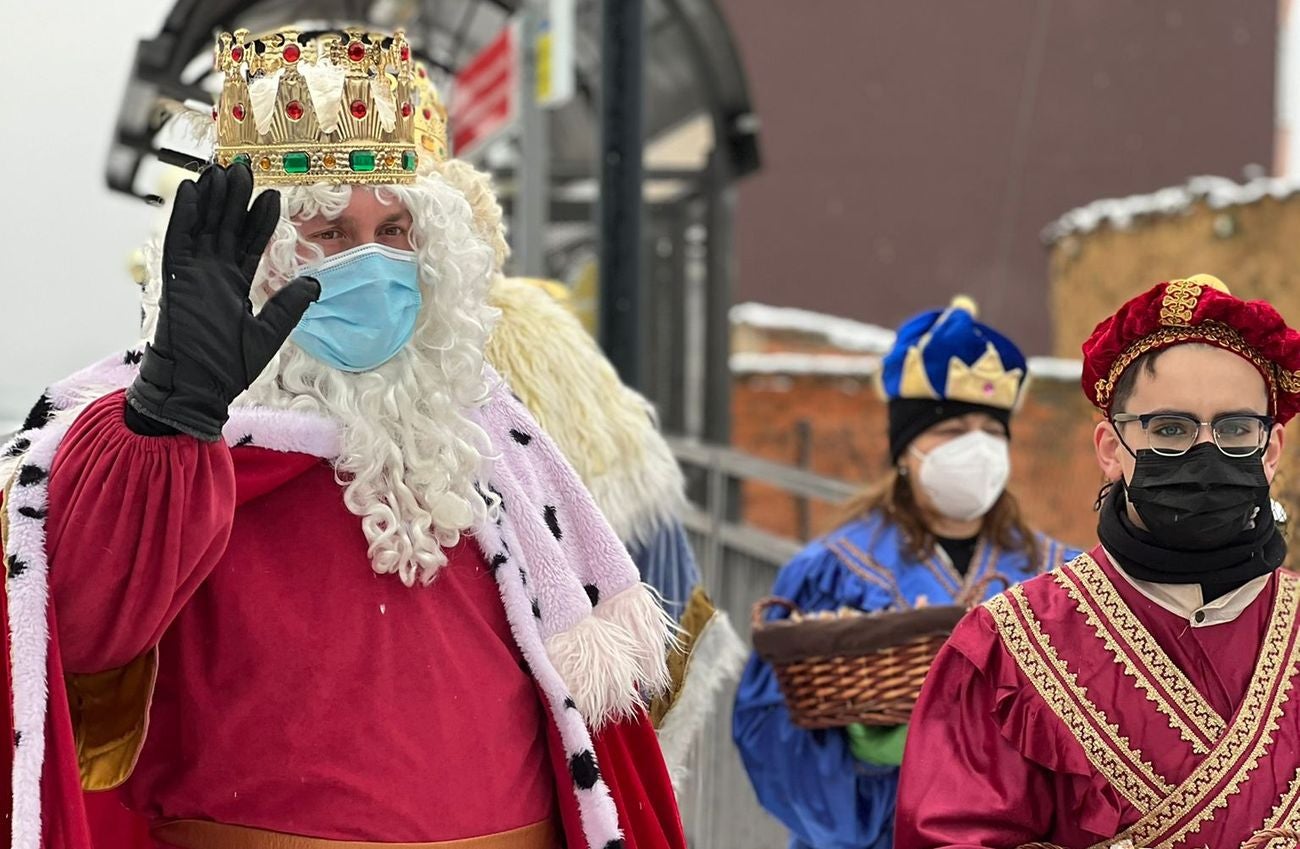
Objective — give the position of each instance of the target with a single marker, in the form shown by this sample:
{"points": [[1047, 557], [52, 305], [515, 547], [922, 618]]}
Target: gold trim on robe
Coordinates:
{"points": [[1159, 679], [1110, 753], [865, 567], [1248, 737], [1287, 810]]}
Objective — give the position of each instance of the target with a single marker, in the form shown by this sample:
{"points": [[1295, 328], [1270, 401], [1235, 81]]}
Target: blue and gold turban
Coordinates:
{"points": [[946, 364]]}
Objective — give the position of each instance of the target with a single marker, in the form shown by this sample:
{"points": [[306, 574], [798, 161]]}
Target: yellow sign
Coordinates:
{"points": [[545, 61]]}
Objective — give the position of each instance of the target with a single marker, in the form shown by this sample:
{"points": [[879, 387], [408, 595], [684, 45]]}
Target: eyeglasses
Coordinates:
{"points": [[1173, 434]]}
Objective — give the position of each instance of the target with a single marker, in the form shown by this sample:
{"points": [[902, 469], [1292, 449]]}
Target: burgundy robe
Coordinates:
{"points": [[1074, 710], [297, 691]]}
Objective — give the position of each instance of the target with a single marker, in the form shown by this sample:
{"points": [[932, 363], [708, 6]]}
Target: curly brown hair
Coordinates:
{"points": [[892, 498]]}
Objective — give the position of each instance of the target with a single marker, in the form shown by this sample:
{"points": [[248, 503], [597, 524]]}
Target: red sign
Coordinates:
{"points": [[485, 94]]}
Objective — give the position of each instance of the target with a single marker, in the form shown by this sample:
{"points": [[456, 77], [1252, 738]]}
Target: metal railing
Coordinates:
{"points": [[738, 564]]}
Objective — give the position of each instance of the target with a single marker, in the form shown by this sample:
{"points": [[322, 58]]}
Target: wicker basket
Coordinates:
{"points": [[852, 667]]}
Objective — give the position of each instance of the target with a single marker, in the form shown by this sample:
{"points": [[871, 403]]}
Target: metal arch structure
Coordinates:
{"points": [[691, 69]]}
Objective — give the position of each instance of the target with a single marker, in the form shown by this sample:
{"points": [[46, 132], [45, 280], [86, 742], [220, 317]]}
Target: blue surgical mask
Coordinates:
{"points": [[369, 303]]}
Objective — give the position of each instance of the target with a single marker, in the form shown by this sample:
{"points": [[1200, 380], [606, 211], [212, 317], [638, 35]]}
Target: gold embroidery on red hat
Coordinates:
{"points": [[1179, 303]]}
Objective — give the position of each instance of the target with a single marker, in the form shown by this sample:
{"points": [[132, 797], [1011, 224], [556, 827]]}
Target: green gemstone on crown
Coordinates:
{"points": [[408, 160], [244, 158], [362, 160], [296, 163]]}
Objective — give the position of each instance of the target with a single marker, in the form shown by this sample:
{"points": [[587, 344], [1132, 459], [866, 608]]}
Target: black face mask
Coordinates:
{"points": [[1201, 500]]}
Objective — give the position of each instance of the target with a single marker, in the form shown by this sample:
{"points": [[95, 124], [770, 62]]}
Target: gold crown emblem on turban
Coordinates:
{"points": [[986, 381], [332, 107]]}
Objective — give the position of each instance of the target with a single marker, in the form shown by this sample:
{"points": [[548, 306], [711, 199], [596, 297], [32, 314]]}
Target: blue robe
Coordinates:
{"points": [[667, 563], [809, 780]]}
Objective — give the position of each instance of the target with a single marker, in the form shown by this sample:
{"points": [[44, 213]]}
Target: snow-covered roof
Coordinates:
{"points": [[1121, 213], [848, 365], [1055, 368], [863, 345], [821, 365], [843, 333]]}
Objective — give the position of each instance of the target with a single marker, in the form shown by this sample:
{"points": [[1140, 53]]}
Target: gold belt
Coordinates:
{"points": [[201, 834]]}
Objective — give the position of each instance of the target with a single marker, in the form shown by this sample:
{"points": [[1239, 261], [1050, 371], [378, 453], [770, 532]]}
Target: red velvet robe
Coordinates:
{"points": [[1074, 710], [281, 654]]}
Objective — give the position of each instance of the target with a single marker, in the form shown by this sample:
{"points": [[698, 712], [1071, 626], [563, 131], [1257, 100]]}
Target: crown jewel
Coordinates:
{"points": [[332, 107]]}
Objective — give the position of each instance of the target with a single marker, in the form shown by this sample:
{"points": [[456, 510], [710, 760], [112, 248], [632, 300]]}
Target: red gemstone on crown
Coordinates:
{"points": [[358, 109], [356, 51], [428, 114], [237, 112], [407, 110], [214, 113], [237, 53], [292, 53], [406, 53], [293, 109], [421, 72]]}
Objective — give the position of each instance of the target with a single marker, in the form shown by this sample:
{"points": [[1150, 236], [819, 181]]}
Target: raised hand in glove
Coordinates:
{"points": [[209, 346]]}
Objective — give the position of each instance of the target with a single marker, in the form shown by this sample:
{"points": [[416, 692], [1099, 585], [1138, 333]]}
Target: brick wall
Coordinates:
{"points": [[1054, 473]]}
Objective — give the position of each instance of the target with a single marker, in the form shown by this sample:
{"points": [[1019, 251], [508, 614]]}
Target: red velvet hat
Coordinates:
{"points": [[1199, 309]]}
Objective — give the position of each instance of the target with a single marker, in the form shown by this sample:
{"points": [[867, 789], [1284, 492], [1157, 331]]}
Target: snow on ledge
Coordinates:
{"points": [[1122, 213], [819, 365], [1055, 368], [846, 365], [844, 333], [853, 337]]}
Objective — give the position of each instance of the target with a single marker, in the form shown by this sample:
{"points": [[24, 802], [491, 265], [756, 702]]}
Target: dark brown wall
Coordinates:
{"points": [[894, 174]]}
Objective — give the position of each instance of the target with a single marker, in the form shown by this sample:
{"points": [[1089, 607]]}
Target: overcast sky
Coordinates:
{"points": [[66, 295]]}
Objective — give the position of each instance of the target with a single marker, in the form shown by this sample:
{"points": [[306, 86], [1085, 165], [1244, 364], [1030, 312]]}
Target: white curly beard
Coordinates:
{"points": [[411, 451]]}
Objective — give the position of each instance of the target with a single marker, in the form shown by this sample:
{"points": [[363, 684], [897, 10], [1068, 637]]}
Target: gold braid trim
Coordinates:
{"points": [[959, 586], [945, 574], [1107, 750], [865, 567], [1158, 675], [1257, 719], [1287, 810], [1212, 332]]}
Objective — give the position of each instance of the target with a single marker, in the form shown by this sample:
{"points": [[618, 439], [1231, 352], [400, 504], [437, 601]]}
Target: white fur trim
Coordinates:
{"points": [[639, 612], [596, 806], [596, 660], [604, 429], [28, 596], [605, 655], [716, 661], [283, 430], [96, 380]]}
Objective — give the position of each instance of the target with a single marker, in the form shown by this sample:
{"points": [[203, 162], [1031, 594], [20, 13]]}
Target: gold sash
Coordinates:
{"points": [[202, 834]]}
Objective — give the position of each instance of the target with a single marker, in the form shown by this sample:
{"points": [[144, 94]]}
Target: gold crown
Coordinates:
{"points": [[987, 381], [334, 107], [432, 144]]}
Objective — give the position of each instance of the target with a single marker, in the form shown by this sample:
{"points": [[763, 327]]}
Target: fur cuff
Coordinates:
{"points": [[715, 663], [639, 612]]}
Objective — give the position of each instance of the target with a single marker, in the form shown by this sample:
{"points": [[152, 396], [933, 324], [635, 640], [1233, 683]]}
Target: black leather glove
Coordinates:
{"points": [[209, 345]]}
